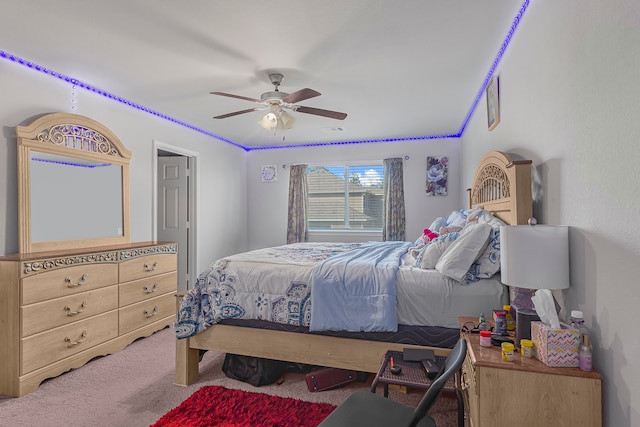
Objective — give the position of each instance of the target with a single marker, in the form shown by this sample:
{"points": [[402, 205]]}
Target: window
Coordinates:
{"points": [[345, 197]]}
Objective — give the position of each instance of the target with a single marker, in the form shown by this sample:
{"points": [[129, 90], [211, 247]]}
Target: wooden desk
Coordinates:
{"points": [[526, 392]]}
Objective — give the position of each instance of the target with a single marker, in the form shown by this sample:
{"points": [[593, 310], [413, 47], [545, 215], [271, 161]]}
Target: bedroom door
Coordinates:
{"points": [[173, 210]]}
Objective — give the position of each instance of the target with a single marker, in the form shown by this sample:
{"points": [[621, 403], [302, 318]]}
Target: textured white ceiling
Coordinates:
{"points": [[400, 69]]}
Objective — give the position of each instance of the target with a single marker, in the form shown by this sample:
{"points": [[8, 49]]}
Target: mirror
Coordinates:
{"points": [[73, 184]]}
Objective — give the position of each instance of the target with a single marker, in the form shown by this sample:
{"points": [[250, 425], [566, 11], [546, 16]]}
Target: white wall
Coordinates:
{"points": [[27, 94], [268, 201], [570, 100]]}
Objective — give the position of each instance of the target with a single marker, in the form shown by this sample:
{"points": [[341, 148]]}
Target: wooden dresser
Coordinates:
{"points": [[526, 392], [60, 309]]}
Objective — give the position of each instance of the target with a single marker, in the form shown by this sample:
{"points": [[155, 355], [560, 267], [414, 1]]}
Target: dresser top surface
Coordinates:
{"points": [[70, 252]]}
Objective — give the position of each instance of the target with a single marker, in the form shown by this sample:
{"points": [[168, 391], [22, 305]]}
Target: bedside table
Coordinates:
{"points": [[525, 392]]}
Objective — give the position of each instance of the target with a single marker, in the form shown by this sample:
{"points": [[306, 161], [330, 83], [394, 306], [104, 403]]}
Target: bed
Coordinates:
{"points": [[414, 304]]}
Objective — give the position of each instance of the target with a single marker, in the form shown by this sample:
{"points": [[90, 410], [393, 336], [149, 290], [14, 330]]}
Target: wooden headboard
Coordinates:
{"points": [[502, 186]]}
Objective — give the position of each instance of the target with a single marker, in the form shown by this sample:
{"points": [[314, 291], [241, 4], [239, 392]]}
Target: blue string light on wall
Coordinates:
{"points": [[77, 83], [75, 164]]}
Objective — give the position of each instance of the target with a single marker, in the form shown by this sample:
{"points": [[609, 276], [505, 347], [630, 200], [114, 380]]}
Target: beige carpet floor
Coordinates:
{"points": [[134, 388]]}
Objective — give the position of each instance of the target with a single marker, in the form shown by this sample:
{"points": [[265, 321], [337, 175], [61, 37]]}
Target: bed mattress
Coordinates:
{"points": [[273, 284]]}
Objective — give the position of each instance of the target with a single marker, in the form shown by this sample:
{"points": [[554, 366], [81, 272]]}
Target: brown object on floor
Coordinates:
{"points": [[329, 378]]}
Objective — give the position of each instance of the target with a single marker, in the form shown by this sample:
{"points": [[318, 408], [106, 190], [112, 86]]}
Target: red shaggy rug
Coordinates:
{"points": [[214, 406]]}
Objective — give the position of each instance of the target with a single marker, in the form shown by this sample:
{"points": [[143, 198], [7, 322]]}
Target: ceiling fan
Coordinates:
{"points": [[276, 102]]}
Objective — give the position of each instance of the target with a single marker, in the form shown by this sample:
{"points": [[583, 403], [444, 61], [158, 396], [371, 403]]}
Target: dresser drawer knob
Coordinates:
{"points": [[153, 313], [70, 283], [67, 309], [150, 290], [464, 382], [152, 268], [71, 343]]}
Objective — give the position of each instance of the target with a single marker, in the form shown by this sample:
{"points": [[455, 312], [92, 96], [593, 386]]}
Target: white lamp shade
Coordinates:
{"points": [[535, 257]]}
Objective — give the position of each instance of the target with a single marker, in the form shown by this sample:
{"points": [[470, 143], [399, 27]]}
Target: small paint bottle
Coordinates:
{"points": [[485, 338], [526, 348], [507, 351]]}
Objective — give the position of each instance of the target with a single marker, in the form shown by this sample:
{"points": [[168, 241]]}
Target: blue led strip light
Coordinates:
{"points": [[83, 85], [359, 141], [80, 165], [503, 47], [113, 97]]}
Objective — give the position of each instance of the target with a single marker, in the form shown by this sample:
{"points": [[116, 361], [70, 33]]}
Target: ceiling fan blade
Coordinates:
{"points": [[300, 95], [224, 116], [230, 95], [321, 112]]}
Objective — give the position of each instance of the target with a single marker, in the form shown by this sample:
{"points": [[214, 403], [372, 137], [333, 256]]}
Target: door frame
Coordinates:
{"points": [[194, 192]]}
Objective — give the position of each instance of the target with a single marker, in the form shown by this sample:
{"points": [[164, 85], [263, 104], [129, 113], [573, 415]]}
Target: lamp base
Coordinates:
{"points": [[521, 298]]}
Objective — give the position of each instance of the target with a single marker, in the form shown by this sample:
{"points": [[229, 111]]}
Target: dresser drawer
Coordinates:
{"points": [[150, 265], [67, 281], [143, 289], [47, 347], [47, 315], [143, 313], [470, 390]]}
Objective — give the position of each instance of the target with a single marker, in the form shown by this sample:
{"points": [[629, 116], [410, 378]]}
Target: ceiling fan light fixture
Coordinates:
{"points": [[286, 121], [269, 121]]}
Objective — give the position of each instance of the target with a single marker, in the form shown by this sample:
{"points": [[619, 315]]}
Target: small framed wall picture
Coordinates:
{"points": [[493, 102], [437, 175], [269, 173]]}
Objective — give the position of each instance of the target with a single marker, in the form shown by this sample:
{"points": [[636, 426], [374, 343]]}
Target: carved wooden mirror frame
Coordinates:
{"points": [[78, 137]]}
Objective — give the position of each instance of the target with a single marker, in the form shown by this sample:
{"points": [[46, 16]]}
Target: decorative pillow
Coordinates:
{"points": [[433, 253], [459, 256], [489, 260], [447, 238], [437, 223], [455, 219]]}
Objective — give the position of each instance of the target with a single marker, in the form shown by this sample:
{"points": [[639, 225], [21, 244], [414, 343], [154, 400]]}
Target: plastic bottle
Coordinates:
{"points": [[511, 324], [577, 322], [507, 351], [586, 355], [577, 319], [501, 323], [485, 338], [482, 323], [526, 348]]}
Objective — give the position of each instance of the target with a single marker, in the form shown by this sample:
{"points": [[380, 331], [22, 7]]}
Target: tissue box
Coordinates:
{"points": [[556, 347]]}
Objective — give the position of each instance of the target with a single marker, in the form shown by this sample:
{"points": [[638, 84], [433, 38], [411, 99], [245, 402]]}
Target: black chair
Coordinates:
{"points": [[364, 408]]}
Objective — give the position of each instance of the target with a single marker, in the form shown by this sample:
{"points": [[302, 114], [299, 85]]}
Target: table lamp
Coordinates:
{"points": [[532, 257]]}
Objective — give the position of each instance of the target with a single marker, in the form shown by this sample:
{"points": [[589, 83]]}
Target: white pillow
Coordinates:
{"points": [[459, 256], [489, 260], [450, 237], [433, 253]]}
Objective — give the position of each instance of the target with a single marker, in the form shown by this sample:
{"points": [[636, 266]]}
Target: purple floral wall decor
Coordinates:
{"points": [[437, 175]]}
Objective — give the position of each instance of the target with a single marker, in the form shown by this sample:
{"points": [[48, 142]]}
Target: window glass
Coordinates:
{"points": [[345, 197]]}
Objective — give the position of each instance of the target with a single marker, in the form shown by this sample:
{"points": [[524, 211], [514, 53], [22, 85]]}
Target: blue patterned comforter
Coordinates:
{"points": [[271, 284]]}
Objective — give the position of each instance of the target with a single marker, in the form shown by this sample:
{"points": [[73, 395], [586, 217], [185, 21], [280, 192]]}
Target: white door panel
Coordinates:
{"points": [[173, 209]]}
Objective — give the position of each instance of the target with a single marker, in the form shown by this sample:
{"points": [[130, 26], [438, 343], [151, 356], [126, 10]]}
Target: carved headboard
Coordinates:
{"points": [[502, 186]]}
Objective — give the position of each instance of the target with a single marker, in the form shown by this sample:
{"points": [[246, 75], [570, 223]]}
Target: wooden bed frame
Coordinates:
{"points": [[501, 186]]}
